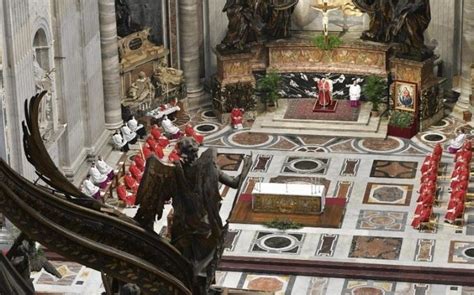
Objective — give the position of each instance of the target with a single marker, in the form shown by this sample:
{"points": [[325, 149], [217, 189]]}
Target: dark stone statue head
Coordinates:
{"points": [[189, 149]]}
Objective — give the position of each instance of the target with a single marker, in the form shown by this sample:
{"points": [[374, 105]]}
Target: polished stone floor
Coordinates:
{"points": [[378, 180]]}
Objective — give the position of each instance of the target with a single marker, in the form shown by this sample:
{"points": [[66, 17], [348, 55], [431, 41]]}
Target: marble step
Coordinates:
{"points": [[375, 129], [372, 125]]}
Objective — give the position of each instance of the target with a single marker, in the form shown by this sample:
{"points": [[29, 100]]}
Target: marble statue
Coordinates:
{"points": [[142, 88], [43, 81], [279, 23], [400, 21], [243, 26]]}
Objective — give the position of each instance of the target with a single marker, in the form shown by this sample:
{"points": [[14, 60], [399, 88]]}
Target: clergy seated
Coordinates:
{"points": [[131, 182], [463, 156], [90, 189], [170, 129], [136, 173], [147, 151], [425, 199], [129, 135], [428, 187], [155, 132], [163, 141], [174, 156], [430, 175], [456, 143], [137, 128], [98, 178], [139, 162], [190, 132], [429, 163], [151, 142], [461, 169], [423, 217], [460, 180], [104, 168], [119, 142], [458, 194], [438, 150], [159, 151], [127, 197], [236, 118], [455, 211]]}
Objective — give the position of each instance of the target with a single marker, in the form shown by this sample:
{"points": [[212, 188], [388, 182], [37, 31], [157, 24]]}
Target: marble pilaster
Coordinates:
{"points": [[467, 52], [110, 64], [189, 46]]}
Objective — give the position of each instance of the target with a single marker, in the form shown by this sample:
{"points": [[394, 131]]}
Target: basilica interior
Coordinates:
{"points": [[236, 147]]}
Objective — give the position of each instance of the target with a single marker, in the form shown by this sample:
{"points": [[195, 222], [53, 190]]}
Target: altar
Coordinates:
{"points": [[288, 198]]}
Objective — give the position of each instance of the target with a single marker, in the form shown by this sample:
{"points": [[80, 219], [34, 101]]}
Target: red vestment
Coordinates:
{"points": [[125, 196], [147, 152], [131, 183], [163, 141], [155, 132], [136, 173], [236, 117], [455, 212], [424, 216], [139, 161], [324, 94], [189, 131]]}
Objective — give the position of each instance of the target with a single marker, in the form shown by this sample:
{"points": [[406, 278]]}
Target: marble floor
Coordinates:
{"points": [[376, 178]]}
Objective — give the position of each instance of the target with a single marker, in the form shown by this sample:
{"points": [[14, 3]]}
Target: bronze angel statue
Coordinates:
{"points": [[126, 250], [197, 230]]}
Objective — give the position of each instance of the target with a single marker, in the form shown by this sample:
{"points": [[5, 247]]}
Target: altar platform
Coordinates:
{"points": [[331, 217], [342, 123]]}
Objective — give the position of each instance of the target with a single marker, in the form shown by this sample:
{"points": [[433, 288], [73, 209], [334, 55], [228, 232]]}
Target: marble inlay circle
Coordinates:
{"points": [[469, 252], [247, 139], [206, 128], [390, 144], [307, 165], [265, 284], [209, 114], [382, 220], [433, 137], [440, 124], [278, 242]]}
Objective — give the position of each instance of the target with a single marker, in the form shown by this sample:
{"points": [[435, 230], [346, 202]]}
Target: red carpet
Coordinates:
{"points": [[303, 109]]}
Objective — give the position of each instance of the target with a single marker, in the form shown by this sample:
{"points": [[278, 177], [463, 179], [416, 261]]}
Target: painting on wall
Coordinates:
{"points": [[405, 96]]}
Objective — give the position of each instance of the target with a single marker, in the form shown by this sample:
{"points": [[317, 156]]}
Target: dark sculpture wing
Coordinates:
{"points": [[106, 243], [11, 282], [156, 187], [37, 154], [365, 5]]}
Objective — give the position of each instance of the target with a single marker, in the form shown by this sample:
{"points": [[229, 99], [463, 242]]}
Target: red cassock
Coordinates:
{"points": [[151, 142], [124, 195], [463, 156], [425, 198], [174, 156], [458, 194], [423, 217], [147, 152], [131, 182], [163, 141], [136, 173], [429, 176], [189, 131], [459, 181], [455, 212], [159, 151], [467, 145], [324, 94], [139, 161], [236, 116], [155, 132], [438, 150], [427, 187]]}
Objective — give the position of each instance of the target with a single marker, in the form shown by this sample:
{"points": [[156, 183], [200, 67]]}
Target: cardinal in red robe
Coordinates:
{"points": [[324, 94]]}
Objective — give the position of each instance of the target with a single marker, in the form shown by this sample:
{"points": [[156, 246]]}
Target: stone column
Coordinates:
{"points": [[189, 46], [110, 64], [467, 52]]}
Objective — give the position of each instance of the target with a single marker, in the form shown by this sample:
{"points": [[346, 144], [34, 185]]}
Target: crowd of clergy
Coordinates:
{"points": [[458, 187], [160, 142]]}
